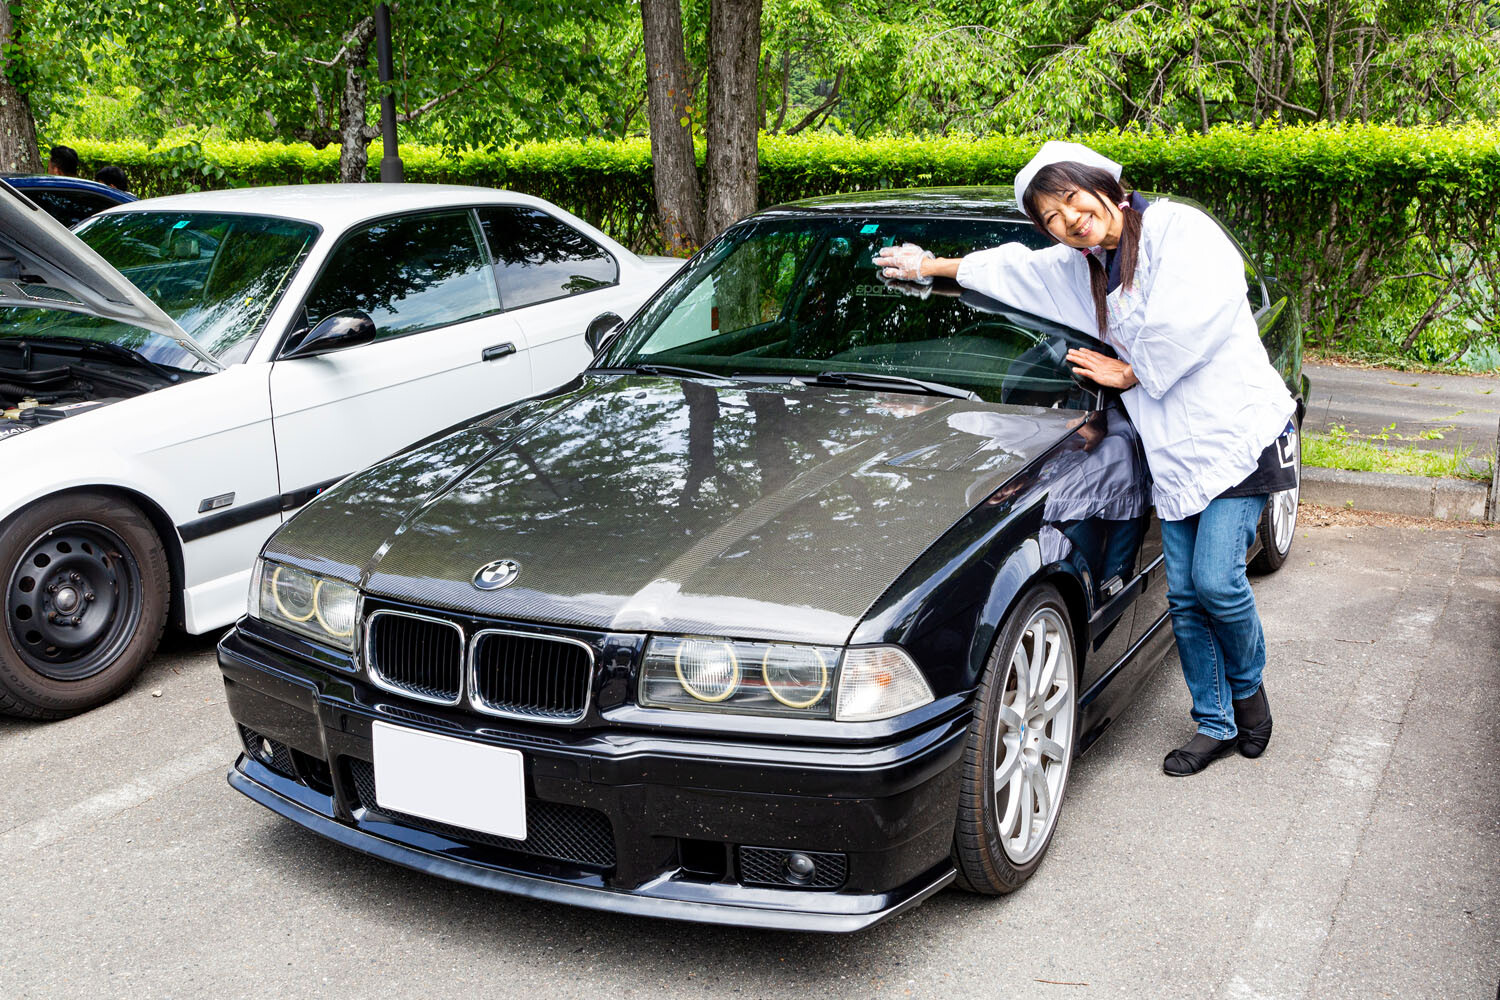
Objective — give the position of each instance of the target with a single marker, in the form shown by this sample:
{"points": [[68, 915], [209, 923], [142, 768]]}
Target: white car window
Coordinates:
{"points": [[408, 274], [539, 258]]}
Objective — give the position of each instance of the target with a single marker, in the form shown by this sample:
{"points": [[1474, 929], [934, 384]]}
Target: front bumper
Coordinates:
{"points": [[638, 821]]}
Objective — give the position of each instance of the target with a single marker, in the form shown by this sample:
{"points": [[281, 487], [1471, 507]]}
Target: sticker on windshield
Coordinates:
{"points": [[868, 228], [181, 224]]}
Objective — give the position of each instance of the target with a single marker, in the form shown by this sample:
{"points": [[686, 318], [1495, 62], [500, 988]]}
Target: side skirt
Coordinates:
{"points": [[1103, 702]]}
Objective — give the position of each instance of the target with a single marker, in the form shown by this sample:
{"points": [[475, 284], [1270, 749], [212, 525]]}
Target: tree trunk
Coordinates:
{"points": [[674, 169], [18, 152], [733, 161], [354, 131]]}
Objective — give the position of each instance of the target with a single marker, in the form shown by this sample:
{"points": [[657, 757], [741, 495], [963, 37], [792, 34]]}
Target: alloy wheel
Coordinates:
{"points": [[1034, 749]]}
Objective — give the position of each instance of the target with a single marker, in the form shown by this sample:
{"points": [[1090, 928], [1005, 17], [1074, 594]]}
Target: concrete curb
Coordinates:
{"points": [[1417, 496]]}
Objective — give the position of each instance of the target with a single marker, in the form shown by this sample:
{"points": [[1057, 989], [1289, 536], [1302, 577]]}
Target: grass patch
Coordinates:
{"points": [[1340, 450]]}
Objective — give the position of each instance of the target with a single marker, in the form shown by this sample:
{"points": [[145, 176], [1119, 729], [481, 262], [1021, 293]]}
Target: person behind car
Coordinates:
{"points": [[63, 161], [114, 177], [1165, 287]]}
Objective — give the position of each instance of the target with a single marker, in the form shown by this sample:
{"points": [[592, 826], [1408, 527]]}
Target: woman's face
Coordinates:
{"points": [[1080, 219]]}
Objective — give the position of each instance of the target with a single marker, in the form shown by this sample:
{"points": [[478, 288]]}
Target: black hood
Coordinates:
{"points": [[640, 503]]}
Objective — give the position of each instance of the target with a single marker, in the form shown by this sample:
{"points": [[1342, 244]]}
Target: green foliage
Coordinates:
{"points": [[1367, 229], [1341, 450]]}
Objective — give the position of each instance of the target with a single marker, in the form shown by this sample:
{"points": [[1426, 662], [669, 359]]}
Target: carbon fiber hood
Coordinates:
{"points": [[651, 504]]}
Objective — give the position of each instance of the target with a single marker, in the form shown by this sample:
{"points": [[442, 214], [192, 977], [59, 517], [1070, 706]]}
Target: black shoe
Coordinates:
{"points": [[1252, 717], [1196, 754]]}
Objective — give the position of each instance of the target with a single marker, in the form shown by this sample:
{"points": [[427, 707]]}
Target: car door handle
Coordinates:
{"points": [[497, 352]]}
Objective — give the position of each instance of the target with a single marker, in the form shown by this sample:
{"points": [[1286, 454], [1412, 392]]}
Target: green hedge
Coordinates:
{"points": [[1382, 235]]}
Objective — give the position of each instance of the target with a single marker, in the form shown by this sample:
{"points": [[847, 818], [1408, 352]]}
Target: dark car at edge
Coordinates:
{"points": [[790, 611]]}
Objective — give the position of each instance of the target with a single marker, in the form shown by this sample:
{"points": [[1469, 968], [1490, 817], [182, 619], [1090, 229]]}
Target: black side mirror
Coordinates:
{"points": [[344, 329], [602, 329]]}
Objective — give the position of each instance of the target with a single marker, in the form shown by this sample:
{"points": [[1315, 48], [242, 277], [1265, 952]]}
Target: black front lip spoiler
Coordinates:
{"points": [[637, 902]]}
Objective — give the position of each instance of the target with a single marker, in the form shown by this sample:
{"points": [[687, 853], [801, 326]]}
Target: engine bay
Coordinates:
{"points": [[43, 383]]}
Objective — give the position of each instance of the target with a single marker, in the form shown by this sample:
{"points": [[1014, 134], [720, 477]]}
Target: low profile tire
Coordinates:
{"points": [[1020, 748], [1278, 522], [85, 587]]}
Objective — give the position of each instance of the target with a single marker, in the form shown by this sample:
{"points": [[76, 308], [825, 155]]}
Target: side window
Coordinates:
{"points": [[538, 257], [409, 274], [68, 207], [1255, 292]]}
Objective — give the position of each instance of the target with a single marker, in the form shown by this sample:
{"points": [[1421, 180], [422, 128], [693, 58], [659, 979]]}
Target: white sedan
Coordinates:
{"points": [[286, 337]]}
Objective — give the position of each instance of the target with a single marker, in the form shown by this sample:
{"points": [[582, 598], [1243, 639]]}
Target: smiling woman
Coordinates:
{"points": [[1166, 288]]}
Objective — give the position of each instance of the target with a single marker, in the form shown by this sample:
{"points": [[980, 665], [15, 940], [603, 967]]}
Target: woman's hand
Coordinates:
{"points": [[1109, 372], [903, 263]]}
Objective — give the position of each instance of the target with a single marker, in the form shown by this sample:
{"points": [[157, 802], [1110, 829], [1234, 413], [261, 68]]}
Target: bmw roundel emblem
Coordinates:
{"points": [[497, 574]]}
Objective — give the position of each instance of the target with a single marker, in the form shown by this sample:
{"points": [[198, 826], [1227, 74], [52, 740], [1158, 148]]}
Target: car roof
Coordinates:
{"points": [[996, 201], [992, 202], [333, 206], [58, 182]]}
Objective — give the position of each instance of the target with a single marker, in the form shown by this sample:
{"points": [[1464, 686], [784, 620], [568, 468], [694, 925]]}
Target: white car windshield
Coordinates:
{"points": [[217, 275]]}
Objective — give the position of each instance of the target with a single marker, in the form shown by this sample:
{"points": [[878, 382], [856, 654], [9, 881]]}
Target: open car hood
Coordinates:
{"points": [[44, 266]]}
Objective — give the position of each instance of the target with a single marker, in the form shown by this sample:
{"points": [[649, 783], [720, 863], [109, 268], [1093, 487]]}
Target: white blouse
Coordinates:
{"points": [[1208, 402]]}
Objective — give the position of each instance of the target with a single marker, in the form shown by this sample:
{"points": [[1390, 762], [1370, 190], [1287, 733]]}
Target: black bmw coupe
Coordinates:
{"points": [[790, 611]]}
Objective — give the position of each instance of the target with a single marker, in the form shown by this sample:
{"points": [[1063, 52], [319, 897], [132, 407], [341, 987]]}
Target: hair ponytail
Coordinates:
{"points": [[1057, 179]]}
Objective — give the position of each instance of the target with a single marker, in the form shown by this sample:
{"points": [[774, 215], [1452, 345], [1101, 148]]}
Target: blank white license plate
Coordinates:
{"points": [[451, 781]]}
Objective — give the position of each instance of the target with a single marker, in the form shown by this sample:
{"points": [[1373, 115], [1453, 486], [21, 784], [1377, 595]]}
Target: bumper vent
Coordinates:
{"points": [[272, 753], [556, 831], [531, 676], [416, 655], [769, 866]]}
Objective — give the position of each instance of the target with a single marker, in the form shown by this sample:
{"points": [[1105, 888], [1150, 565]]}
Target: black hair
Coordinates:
{"points": [[114, 177], [1059, 178], [65, 159]]}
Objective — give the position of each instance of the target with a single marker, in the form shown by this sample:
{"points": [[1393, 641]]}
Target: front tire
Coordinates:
{"points": [[85, 582], [1020, 747], [1278, 523]]}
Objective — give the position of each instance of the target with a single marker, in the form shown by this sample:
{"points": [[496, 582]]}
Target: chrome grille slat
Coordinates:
{"points": [[415, 655], [527, 675]]}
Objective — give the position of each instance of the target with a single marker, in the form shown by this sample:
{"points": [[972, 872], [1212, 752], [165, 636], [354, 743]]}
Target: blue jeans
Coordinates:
{"points": [[1219, 638]]}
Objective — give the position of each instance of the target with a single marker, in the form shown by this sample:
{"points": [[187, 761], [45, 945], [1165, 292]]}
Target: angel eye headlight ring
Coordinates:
{"points": [[281, 607], [729, 688], [318, 610], [765, 670]]}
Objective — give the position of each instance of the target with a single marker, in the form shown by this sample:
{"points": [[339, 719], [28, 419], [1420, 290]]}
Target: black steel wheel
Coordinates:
{"points": [[85, 581], [1020, 748]]}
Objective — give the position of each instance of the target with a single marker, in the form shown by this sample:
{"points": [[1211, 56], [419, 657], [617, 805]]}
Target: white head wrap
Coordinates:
{"points": [[1056, 151]]}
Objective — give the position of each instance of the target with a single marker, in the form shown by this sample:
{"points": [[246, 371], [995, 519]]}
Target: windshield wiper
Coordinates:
{"points": [[875, 380], [677, 370]]}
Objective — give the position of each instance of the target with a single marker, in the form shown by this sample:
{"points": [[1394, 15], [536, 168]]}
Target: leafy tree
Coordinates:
{"points": [[306, 72], [18, 150], [730, 125]]}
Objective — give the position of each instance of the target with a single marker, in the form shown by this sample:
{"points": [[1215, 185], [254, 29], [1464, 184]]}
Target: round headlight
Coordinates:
{"points": [[708, 671], [293, 592], [795, 675], [334, 606]]}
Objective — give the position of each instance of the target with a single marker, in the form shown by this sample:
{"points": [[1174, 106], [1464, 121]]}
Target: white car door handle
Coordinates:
{"points": [[497, 352]]}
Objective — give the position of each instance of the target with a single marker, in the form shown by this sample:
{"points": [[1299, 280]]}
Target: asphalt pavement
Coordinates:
{"points": [[1360, 857], [1394, 408]]}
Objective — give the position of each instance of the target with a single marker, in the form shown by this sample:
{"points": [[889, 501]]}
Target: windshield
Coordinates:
{"points": [[799, 296], [217, 275]]}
